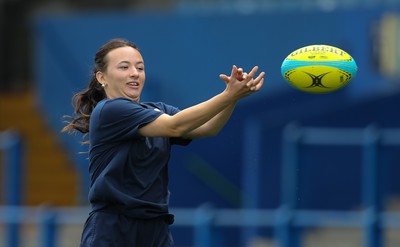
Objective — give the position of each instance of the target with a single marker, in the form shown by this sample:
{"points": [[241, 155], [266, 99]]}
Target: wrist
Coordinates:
{"points": [[228, 98]]}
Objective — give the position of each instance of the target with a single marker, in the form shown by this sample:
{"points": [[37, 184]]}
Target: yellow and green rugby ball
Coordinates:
{"points": [[318, 69]]}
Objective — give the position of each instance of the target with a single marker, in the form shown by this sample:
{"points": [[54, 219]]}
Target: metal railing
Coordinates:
{"points": [[204, 220], [287, 220], [370, 139]]}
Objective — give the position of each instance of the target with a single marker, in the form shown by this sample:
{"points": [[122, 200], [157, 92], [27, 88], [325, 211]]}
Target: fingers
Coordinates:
{"points": [[259, 78], [252, 84], [255, 85], [258, 86], [240, 74], [224, 77], [234, 71], [245, 76], [249, 77], [253, 72]]}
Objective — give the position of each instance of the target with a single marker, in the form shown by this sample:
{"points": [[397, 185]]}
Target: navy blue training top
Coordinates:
{"points": [[129, 172]]}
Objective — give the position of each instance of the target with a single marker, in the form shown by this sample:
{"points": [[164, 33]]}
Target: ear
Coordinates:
{"points": [[100, 77]]}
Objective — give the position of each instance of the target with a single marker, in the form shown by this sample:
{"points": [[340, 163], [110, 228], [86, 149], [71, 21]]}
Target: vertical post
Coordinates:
{"points": [[13, 169], [372, 188], [289, 235], [2, 41], [48, 228], [250, 174], [283, 226], [12, 145], [203, 227]]}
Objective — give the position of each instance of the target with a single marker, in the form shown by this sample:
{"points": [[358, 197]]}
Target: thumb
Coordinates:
{"points": [[224, 77]]}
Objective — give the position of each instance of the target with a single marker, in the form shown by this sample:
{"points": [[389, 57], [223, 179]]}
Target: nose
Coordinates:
{"points": [[134, 72]]}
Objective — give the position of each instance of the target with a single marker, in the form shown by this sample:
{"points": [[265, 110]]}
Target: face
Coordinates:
{"points": [[124, 75]]}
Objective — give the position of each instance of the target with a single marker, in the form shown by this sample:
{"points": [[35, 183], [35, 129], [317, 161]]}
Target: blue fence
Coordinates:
{"points": [[288, 220], [205, 220], [371, 139]]}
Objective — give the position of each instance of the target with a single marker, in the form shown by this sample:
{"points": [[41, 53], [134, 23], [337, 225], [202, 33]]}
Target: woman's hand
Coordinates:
{"points": [[240, 84]]}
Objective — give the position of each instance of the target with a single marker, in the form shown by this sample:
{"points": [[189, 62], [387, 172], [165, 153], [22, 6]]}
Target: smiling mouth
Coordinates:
{"points": [[133, 84]]}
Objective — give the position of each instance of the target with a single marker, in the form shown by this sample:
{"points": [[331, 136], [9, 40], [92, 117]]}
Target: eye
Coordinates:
{"points": [[123, 67], [140, 68]]}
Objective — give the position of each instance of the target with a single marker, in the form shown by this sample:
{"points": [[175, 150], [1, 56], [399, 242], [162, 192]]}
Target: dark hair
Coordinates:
{"points": [[85, 100]]}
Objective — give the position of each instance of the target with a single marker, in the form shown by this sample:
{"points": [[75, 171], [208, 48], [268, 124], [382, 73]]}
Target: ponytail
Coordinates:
{"points": [[85, 100], [84, 103]]}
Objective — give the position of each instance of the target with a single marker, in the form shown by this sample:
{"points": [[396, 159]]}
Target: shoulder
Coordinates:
{"points": [[117, 104], [126, 108], [113, 109], [165, 108]]}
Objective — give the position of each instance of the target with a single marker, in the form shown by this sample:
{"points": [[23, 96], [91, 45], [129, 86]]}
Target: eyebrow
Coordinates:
{"points": [[139, 62]]}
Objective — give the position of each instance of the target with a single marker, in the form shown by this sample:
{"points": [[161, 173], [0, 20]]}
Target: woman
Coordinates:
{"points": [[130, 141]]}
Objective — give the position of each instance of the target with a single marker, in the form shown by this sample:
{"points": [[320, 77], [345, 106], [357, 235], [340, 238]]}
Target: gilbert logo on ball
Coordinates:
{"points": [[318, 68]]}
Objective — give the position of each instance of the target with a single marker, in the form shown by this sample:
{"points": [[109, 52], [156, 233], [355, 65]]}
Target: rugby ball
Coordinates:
{"points": [[318, 69]]}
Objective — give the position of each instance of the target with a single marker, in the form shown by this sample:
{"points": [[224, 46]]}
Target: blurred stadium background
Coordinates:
{"points": [[290, 169]]}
